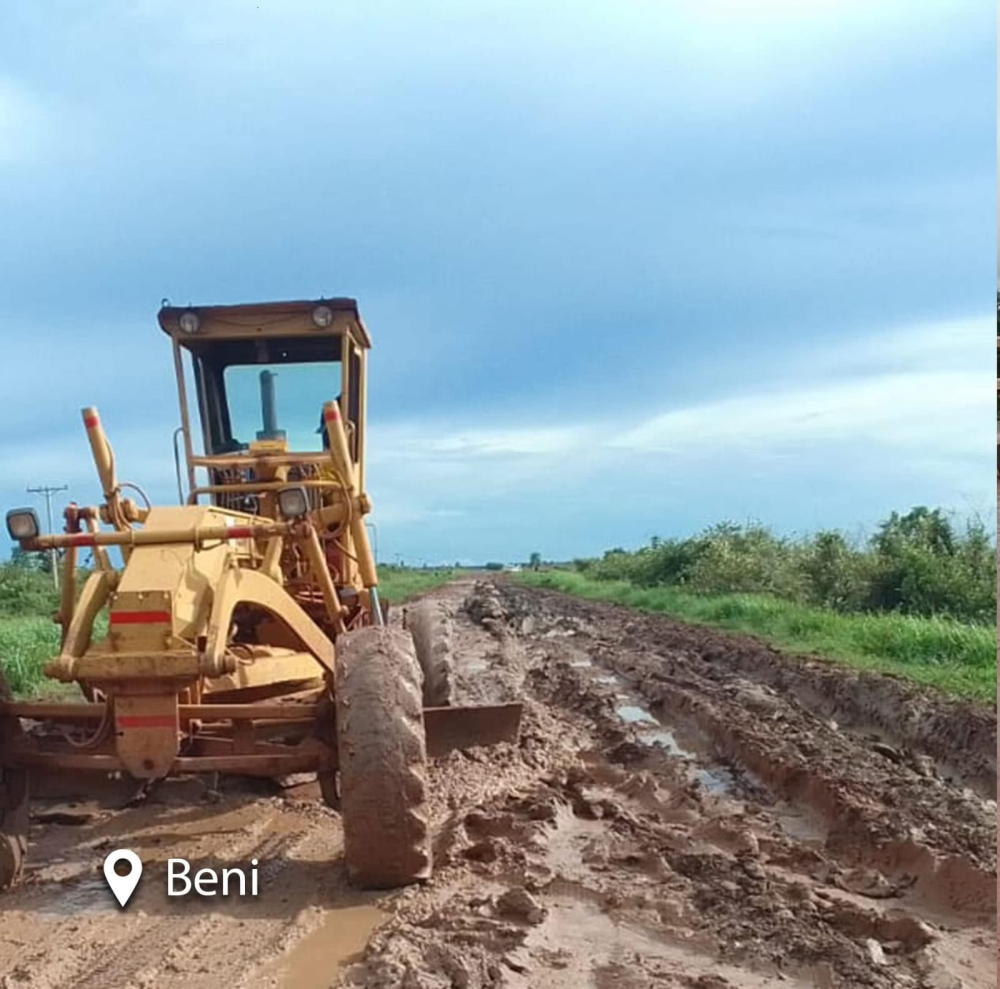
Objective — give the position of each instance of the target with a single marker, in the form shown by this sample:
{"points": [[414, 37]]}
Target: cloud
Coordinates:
{"points": [[608, 252], [873, 422], [477, 444], [142, 455], [894, 410], [843, 432], [918, 389]]}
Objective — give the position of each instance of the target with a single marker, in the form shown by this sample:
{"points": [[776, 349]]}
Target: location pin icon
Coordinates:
{"points": [[122, 886]]}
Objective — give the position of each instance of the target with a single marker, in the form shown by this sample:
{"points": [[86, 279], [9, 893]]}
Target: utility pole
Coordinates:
{"points": [[48, 491]]}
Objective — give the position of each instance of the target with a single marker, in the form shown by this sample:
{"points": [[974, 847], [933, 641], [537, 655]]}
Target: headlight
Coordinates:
{"points": [[293, 502], [322, 316], [189, 322], [22, 523]]}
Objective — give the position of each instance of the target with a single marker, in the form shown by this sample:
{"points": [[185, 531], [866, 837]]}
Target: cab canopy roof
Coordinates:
{"points": [[260, 320]]}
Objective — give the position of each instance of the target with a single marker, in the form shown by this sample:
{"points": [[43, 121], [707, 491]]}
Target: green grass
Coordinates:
{"points": [[399, 584], [958, 658], [25, 645]]}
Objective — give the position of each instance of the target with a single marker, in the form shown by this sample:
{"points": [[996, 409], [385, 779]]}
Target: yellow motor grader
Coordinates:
{"points": [[244, 630]]}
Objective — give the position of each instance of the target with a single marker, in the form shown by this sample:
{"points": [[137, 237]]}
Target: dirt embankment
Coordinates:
{"points": [[682, 809]]}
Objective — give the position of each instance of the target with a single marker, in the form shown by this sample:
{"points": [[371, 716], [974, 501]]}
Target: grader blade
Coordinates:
{"points": [[449, 728]]}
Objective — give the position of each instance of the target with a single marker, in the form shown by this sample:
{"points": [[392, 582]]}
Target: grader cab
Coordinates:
{"points": [[244, 629]]}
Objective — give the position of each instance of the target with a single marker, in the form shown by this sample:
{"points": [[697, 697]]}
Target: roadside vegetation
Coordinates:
{"points": [[28, 636], [918, 598], [399, 584], [28, 600], [25, 644]]}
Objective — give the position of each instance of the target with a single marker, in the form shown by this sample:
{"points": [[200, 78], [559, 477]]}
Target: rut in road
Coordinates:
{"points": [[683, 809]]}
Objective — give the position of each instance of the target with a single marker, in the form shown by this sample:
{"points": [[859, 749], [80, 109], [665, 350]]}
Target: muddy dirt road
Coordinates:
{"points": [[683, 809]]}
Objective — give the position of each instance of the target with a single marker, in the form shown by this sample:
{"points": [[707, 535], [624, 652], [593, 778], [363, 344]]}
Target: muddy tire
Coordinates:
{"points": [[13, 803], [430, 627], [382, 757]]}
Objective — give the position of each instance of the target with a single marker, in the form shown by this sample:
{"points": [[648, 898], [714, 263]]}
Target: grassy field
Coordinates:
{"points": [[399, 584], [27, 641], [958, 658], [25, 644]]}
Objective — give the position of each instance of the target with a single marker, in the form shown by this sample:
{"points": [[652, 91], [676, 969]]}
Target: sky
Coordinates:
{"points": [[630, 269]]}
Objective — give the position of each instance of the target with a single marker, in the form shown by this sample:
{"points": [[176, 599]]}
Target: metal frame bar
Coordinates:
{"points": [[269, 764], [187, 712], [252, 487], [185, 416], [156, 537]]}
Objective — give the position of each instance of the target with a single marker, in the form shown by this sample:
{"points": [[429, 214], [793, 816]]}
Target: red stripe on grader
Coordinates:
{"points": [[82, 539], [91, 422], [240, 532], [146, 721], [140, 617], [331, 415]]}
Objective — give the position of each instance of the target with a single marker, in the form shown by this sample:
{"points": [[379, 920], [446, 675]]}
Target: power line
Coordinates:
{"points": [[48, 491]]}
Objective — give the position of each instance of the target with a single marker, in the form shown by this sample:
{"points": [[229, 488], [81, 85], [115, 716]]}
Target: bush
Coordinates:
{"points": [[26, 591], [916, 564], [836, 574]]}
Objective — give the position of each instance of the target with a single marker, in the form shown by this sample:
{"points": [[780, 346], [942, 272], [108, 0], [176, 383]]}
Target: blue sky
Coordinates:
{"points": [[630, 268]]}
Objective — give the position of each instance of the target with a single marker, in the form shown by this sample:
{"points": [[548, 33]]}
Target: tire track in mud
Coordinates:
{"points": [[886, 805], [680, 811], [768, 846], [156, 941], [158, 946]]}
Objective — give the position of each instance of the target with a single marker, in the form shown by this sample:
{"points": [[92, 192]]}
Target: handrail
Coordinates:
{"points": [[155, 537], [179, 431], [221, 462], [253, 487]]}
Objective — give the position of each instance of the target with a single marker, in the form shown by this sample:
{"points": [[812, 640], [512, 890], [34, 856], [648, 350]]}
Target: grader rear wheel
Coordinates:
{"points": [[13, 802], [430, 627], [382, 759]]}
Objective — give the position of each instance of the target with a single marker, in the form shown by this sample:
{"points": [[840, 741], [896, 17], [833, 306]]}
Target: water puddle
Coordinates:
{"points": [[716, 780], [86, 896], [695, 755], [666, 740], [654, 731], [314, 961], [634, 715]]}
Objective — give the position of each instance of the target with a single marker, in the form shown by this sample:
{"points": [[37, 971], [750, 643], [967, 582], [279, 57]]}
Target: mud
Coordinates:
{"points": [[682, 809]]}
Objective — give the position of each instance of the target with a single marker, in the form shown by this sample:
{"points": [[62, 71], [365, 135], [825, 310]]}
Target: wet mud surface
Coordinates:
{"points": [[683, 808]]}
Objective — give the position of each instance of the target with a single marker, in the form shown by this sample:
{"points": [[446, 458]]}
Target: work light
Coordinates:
{"points": [[189, 321], [22, 523], [293, 502], [322, 316]]}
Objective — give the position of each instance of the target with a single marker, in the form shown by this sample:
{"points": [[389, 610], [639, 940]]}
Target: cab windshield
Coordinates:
{"points": [[279, 401], [260, 389]]}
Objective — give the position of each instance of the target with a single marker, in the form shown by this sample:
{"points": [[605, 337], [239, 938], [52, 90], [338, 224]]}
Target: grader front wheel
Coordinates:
{"points": [[382, 759], [13, 802]]}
